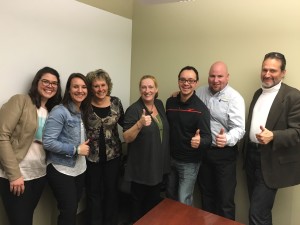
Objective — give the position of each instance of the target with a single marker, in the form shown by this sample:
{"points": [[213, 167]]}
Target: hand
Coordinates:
{"points": [[195, 142], [17, 186], [145, 120], [265, 136], [84, 148], [221, 139]]}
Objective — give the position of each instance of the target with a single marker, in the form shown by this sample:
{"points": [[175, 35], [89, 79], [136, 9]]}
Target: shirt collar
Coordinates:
{"points": [[272, 89]]}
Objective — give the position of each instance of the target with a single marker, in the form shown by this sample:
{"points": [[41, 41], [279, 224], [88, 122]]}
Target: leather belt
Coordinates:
{"points": [[226, 146]]}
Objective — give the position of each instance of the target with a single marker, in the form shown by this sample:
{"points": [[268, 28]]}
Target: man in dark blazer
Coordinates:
{"points": [[272, 141]]}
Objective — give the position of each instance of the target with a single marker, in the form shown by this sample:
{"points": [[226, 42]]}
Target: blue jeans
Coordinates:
{"points": [[181, 181]]}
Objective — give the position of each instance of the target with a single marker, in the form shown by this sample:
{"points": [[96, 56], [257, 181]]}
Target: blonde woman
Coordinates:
{"points": [[146, 131]]}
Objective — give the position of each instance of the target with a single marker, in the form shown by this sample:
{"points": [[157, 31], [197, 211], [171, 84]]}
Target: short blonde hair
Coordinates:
{"points": [[101, 75]]}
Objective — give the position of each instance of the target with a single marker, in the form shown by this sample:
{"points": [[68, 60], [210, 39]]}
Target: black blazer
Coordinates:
{"points": [[280, 159]]}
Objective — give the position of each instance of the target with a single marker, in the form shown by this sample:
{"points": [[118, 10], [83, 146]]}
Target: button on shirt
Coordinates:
{"points": [[227, 110]]}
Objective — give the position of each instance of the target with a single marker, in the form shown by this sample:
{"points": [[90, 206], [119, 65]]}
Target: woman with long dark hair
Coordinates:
{"points": [[65, 141], [22, 157]]}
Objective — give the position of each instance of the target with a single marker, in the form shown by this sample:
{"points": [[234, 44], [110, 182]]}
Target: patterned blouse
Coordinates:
{"points": [[105, 128]]}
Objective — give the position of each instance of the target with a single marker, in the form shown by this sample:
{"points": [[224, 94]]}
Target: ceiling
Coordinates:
{"points": [[124, 7], [157, 1], [162, 1]]}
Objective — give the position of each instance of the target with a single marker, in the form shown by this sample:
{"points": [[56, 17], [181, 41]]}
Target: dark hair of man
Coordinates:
{"points": [[35, 95], [189, 68], [85, 104], [277, 55]]}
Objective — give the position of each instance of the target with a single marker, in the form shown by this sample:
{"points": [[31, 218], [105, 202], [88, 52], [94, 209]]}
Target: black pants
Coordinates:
{"points": [[67, 190], [102, 192], [20, 209], [261, 196], [217, 181], [144, 198]]}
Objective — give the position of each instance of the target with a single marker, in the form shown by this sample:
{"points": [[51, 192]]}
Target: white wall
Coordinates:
{"points": [[68, 36]]}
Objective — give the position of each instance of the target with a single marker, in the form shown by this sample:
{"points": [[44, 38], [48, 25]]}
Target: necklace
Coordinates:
{"points": [[151, 110]]}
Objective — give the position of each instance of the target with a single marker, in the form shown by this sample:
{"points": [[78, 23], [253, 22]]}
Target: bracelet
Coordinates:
{"points": [[78, 150], [137, 124]]}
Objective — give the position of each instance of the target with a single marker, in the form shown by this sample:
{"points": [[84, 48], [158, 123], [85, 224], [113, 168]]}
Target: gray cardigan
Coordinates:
{"points": [[148, 156]]}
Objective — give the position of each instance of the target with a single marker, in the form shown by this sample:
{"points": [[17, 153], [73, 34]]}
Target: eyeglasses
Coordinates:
{"points": [[189, 81], [47, 83]]}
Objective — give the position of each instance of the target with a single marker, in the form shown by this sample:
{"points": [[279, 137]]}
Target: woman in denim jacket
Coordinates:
{"points": [[65, 141]]}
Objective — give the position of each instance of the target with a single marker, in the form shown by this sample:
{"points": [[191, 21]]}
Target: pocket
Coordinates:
{"points": [[71, 123]]}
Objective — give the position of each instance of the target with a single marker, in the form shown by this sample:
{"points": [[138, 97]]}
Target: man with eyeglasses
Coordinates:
{"points": [[272, 140], [217, 175], [190, 135]]}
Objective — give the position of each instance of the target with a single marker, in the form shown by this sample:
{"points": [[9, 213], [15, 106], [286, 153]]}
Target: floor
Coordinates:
{"points": [[124, 212]]}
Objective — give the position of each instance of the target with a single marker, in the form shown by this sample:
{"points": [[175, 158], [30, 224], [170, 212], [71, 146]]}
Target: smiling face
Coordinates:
{"points": [[78, 90], [47, 86], [187, 83], [148, 90], [218, 77], [271, 73], [99, 89]]}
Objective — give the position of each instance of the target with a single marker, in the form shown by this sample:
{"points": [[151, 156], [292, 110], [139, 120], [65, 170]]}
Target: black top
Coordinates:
{"points": [[148, 154], [102, 113], [185, 118], [102, 131]]}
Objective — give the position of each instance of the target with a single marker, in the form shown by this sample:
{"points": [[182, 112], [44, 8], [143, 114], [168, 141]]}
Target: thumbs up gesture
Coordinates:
{"points": [[265, 136], [84, 148], [195, 142], [221, 139], [145, 119]]}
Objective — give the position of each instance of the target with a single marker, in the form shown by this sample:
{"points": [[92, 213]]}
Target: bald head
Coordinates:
{"points": [[219, 66], [218, 76]]}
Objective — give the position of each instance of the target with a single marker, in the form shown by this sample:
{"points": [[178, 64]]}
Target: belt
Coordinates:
{"points": [[226, 146], [254, 145]]}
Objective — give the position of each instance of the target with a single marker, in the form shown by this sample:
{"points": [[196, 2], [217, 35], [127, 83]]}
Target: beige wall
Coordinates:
{"points": [[167, 37]]}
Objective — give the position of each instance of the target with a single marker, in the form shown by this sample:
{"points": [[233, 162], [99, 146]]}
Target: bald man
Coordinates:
{"points": [[217, 175]]}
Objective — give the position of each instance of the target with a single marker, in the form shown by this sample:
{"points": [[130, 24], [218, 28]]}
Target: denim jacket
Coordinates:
{"points": [[62, 134]]}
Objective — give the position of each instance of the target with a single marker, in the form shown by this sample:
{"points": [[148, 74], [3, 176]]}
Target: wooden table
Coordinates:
{"points": [[170, 212]]}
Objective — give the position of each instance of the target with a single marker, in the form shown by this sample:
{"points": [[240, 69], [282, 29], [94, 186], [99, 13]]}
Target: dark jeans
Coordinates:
{"points": [[67, 190], [102, 192], [20, 209], [144, 198], [217, 181], [261, 197]]}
